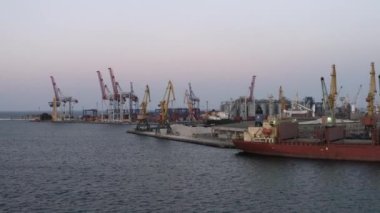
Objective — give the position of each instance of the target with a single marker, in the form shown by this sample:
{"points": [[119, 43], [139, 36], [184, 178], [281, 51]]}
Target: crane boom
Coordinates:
{"points": [[116, 94], [56, 89], [326, 106], [192, 95], [102, 86]]}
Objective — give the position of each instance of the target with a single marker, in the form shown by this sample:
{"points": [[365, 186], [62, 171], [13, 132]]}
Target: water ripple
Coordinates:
{"points": [[46, 167]]}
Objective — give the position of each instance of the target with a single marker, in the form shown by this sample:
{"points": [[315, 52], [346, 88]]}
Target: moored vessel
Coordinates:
{"points": [[282, 139]]}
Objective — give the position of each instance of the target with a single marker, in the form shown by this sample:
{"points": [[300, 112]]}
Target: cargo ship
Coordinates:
{"points": [[327, 142]]}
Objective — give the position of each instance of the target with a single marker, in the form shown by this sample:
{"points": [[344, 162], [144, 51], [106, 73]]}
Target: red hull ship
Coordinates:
{"points": [[327, 143]]}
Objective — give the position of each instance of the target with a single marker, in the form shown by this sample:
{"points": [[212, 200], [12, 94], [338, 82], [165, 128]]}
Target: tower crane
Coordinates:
{"points": [[369, 119], [164, 107], [142, 118]]}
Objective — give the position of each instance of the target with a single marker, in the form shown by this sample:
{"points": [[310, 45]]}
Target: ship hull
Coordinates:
{"points": [[341, 151]]}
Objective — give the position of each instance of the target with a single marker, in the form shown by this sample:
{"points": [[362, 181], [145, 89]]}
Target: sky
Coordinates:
{"points": [[217, 45]]}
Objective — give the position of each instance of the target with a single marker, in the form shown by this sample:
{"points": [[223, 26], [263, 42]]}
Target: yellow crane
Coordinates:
{"points": [[369, 119], [164, 106], [329, 99], [142, 118]]}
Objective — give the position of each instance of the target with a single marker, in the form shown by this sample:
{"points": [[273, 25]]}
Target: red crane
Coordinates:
{"points": [[60, 98], [103, 86], [116, 94]]}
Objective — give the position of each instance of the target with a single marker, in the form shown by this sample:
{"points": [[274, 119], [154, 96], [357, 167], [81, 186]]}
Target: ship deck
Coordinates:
{"points": [[314, 141]]}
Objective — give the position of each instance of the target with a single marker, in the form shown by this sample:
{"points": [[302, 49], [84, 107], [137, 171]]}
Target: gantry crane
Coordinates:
{"points": [[107, 96], [125, 96], [142, 118], [164, 107], [190, 106], [192, 102], [369, 119], [119, 99], [60, 100]]}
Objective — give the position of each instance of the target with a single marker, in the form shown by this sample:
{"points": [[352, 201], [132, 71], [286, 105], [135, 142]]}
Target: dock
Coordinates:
{"points": [[188, 139]]}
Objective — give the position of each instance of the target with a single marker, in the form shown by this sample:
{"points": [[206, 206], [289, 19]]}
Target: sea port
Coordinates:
{"points": [[189, 106]]}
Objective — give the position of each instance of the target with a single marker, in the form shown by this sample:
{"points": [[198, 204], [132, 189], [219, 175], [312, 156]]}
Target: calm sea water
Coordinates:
{"points": [[52, 167]]}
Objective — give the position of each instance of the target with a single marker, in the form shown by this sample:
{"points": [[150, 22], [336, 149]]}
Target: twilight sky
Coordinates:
{"points": [[217, 45]]}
